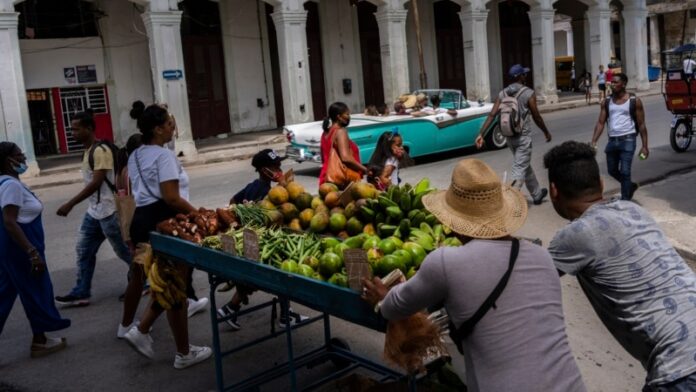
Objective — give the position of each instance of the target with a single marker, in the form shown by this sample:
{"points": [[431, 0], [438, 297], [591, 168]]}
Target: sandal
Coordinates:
{"points": [[52, 345]]}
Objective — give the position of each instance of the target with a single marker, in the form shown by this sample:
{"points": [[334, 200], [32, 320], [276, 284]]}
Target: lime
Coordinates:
{"points": [[404, 255], [416, 251], [388, 264], [312, 262], [329, 264], [289, 266], [397, 241], [329, 242], [387, 246], [339, 280], [305, 270], [371, 242], [338, 249]]}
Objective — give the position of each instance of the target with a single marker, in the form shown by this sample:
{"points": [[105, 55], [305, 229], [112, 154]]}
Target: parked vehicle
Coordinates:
{"points": [[564, 66], [421, 135]]}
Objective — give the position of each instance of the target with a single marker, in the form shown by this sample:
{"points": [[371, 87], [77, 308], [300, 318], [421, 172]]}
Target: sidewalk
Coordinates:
{"points": [[575, 100], [65, 169]]}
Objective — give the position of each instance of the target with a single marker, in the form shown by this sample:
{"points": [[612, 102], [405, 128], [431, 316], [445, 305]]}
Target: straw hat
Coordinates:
{"points": [[409, 100], [476, 204]]}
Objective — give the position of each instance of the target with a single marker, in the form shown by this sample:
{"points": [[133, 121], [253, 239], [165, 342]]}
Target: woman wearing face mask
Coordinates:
{"points": [[336, 135], [22, 261]]}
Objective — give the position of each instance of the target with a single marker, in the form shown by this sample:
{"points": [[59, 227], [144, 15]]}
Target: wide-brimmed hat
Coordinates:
{"points": [[477, 204], [409, 100]]}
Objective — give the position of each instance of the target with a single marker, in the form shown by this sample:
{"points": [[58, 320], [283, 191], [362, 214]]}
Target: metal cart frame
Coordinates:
{"points": [[323, 297]]}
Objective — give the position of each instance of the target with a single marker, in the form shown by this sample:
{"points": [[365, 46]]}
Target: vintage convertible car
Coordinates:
{"points": [[421, 135]]}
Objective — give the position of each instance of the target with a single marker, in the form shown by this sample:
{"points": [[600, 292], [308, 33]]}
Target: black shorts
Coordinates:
{"points": [[602, 87], [146, 218]]}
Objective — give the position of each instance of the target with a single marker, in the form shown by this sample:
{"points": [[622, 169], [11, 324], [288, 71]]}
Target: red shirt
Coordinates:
{"points": [[325, 148]]}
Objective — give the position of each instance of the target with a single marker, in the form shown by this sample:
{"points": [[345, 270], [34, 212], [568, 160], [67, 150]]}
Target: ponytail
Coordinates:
{"points": [[326, 124]]}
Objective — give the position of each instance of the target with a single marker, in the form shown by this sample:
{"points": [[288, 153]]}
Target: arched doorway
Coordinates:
{"points": [[370, 54], [450, 46], [515, 37]]}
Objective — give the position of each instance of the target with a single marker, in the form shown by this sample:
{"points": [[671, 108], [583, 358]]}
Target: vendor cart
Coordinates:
{"points": [[679, 91], [329, 300]]}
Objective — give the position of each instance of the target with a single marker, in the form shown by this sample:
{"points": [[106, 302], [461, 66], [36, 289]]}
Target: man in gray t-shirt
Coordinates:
{"points": [[641, 289], [521, 144]]}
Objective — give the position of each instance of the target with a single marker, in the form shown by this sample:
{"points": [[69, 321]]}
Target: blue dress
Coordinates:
{"points": [[35, 291]]}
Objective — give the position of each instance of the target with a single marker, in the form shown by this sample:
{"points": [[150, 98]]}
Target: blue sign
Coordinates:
{"points": [[172, 74]]}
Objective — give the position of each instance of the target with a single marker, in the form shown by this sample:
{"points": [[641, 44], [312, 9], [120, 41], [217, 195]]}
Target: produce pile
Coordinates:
{"points": [[307, 234]]}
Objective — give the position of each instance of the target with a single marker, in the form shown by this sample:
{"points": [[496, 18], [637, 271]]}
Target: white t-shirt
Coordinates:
{"points": [[158, 165], [689, 66], [14, 193], [394, 178], [103, 160]]}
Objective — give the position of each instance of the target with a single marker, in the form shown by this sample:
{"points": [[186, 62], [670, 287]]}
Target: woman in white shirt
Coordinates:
{"points": [[22, 260], [160, 188]]}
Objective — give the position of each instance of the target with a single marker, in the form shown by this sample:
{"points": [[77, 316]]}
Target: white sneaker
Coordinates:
{"points": [[122, 331], [291, 318], [196, 354], [196, 306], [141, 342]]}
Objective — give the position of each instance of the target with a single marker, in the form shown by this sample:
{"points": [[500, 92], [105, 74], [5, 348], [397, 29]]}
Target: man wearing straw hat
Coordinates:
{"points": [[641, 289], [502, 295], [520, 144]]}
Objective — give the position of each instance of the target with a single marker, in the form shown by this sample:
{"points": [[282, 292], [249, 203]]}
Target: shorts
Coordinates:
{"points": [[602, 87], [146, 218]]}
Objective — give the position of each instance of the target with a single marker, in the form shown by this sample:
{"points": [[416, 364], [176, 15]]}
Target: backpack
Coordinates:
{"points": [[510, 118], [104, 144], [631, 108]]}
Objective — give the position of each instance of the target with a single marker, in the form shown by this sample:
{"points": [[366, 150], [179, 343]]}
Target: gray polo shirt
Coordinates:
{"points": [[521, 345], [641, 289]]}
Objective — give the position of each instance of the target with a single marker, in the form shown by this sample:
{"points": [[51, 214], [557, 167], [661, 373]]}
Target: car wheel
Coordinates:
{"points": [[495, 139], [680, 136]]}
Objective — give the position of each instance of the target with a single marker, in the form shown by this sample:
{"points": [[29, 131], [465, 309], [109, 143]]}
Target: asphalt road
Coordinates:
{"points": [[96, 360]]}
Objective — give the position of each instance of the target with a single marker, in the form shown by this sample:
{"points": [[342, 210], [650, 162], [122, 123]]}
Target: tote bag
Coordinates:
{"points": [[337, 172]]}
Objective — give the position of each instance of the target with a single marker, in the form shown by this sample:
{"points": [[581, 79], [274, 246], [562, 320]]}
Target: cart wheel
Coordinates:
{"points": [[680, 136], [340, 362], [495, 139]]}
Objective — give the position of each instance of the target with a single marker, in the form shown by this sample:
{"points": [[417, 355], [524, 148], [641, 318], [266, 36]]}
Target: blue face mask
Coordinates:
{"points": [[20, 168]]}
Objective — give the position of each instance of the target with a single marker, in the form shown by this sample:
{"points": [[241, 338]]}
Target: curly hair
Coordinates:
{"points": [[573, 169]]}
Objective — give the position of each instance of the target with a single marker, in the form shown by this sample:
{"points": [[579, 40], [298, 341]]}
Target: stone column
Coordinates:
{"points": [[599, 31], [543, 54], [655, 58], [291, 29], [392, 39], [15, 126], [636, 33], [164, 39], [569, 41], [475, 38]]}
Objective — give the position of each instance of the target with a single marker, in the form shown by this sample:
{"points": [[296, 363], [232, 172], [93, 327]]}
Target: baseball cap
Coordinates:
{"points": [[517, 70], [266, 158]]}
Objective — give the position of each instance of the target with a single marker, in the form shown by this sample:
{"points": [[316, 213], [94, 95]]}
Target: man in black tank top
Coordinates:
{"points": [[624, 114]]}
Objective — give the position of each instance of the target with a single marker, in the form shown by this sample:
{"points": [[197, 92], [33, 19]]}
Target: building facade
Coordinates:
{"points": [[233, 66]]}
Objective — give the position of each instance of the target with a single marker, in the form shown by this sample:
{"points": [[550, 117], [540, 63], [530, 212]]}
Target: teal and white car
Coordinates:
{"points": [[422, 135]]}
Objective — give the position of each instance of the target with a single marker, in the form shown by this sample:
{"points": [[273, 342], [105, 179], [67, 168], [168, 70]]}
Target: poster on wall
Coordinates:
{"points": [[86, 73], [69, 74]]}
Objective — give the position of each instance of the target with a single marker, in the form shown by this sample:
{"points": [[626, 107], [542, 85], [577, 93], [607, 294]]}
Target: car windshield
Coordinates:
{"points": [[449, 99]]}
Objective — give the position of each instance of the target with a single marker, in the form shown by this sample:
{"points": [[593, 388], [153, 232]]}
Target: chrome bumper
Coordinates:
{"points": [[303, 154]]}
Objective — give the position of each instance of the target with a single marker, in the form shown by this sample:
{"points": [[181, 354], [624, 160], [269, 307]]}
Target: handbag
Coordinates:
{"points": [[336, 171], [125, 208]]}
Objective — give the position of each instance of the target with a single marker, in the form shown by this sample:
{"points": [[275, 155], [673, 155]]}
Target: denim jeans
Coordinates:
{"points": [[522, 172], [90, 237], [684, 384], [619, 159]]}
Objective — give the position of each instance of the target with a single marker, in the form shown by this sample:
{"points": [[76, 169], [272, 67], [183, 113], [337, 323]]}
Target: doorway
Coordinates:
{"points": [[450, 46], [316, 63], [201, 40], [370, 54], [41, 118], [515, 38]]}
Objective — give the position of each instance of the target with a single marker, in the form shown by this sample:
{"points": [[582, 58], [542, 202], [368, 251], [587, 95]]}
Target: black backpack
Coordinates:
{"points": [[104, 144], [631, 108]]}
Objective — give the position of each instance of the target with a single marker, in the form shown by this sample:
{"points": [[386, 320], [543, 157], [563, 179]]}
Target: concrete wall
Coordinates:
{"points": [[43, 60], [247, 65], [674, 22], [127, 72], [340, 45], [561, 43]]}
